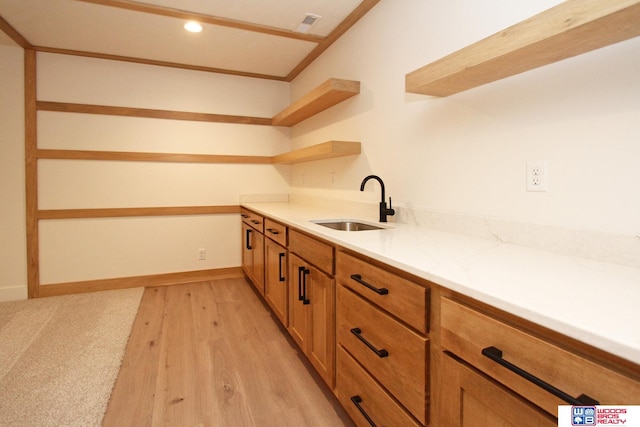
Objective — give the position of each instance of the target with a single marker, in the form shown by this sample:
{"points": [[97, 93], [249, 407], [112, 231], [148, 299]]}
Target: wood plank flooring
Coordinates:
{"points": [[211, 354]]}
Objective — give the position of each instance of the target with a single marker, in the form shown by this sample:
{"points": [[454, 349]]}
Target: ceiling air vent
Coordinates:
{"points": [[307, 22]]}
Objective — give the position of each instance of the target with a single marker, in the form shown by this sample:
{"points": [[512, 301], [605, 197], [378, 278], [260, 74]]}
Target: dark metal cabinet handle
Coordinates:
{"points": [[495, 354], [358, 333], [244, 216], [247, 238], [357, 400], [272, 231], [280, 275], [305, 300], [379, 291], [255, 221], [300, 271]]}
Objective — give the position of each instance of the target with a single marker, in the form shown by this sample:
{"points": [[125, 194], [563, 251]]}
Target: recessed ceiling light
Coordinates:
{"points": [[193, 27]]}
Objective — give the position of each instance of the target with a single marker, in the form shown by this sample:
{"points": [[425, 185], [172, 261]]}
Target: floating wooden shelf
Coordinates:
{"points": [[328, 94], [569, 29], [326, 150], [148, 157]]}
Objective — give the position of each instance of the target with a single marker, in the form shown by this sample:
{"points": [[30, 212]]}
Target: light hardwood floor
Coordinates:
{"points": [[211, 354]]}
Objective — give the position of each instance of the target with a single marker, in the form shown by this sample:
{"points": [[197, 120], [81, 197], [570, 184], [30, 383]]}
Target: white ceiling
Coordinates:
{"points": [[254, 37]]}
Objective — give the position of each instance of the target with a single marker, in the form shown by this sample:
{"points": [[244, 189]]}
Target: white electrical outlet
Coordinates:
{"points": [[202, 254], [537, 176]]}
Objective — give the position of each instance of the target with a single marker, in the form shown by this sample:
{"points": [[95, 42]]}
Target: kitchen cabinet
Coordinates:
{"points": [[568, 29], [253, 248], [399, 350], [487, 354], [276, 274], [312, 302], [381, 333], [366, 401], [472, 399]]}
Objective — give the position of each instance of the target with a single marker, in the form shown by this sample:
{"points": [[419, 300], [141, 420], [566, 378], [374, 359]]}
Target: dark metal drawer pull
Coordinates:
{"points": [[305, 300], [357, 400], [379, 291], [300, 271], [244, 215], [280, 275], [495, 354], [255, 221], [248, 236], [358, 333], [272, 231], [302, 285]]}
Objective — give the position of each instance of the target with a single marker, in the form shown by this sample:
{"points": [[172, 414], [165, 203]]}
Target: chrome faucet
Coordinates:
{"points": [[384, 211]]}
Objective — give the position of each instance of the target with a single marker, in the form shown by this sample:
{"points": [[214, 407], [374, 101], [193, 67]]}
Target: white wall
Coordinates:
{"points": [[75, 250], [13, 252], [467, 153], [463, 154]]}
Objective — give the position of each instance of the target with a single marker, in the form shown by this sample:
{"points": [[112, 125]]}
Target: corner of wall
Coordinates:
{"points": [[13, 262]]}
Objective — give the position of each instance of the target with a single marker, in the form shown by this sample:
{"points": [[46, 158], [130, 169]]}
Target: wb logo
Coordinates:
{"points": [[583, 415]]}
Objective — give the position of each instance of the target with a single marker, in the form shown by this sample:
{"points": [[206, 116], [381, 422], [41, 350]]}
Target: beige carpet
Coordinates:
{"points": [[60, 356]]}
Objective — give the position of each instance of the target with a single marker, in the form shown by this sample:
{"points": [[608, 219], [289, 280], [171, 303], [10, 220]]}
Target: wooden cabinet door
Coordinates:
{"points": [[321, 343], [311, 315], [253, 256], [470, 399], [275, 283], [247, 251], [298, 314], [258, 261]]}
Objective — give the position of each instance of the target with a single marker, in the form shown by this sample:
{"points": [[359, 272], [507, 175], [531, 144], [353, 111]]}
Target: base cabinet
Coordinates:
{"points": [[381, 323], [311, 315], [366, 401], [275, 282], [471, 399], [253, 256], [398, 350], [511, 374]]}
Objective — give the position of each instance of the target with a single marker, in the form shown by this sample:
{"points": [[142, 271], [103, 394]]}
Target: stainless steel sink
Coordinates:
{"points": [[347, 225]]}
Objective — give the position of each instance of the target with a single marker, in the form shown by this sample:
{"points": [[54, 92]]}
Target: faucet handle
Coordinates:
{"points": [[390, 211]]}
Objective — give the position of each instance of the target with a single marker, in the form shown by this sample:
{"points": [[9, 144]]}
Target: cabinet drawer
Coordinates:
{"points": [[318, 253], [466, 332], [468, 398], [353, 383], [401, 297], [394, 354], [253, 219], [275, 231]]}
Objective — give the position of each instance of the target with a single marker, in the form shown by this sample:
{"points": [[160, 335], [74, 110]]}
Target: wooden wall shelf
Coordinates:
{"points": [[126, 156], [569, 29], [326, 150], [133, 212], [66, 107], [328, 94]]}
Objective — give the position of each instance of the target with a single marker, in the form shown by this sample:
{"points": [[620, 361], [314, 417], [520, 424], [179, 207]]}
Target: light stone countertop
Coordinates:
{"points": [[591, 301]]}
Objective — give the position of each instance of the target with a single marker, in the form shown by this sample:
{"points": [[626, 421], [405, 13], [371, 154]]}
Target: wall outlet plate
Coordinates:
{"points": [[537, 176]]}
